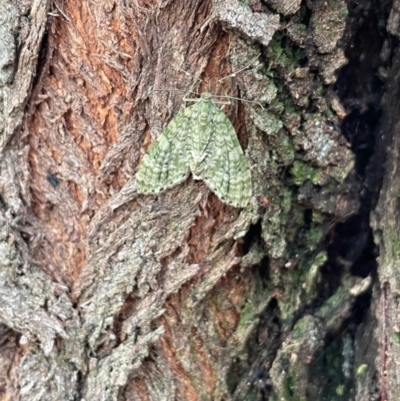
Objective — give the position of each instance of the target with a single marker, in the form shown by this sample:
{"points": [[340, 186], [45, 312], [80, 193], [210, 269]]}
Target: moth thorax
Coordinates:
{"points": [[207, 96]]}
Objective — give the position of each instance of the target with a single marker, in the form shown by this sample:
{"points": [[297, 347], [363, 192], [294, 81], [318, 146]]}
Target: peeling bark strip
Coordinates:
{"points": [[8, 52], [386, 226], [285, 7], [22, 29], [238, 16]]}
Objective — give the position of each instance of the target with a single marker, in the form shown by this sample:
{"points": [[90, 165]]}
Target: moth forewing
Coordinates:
{"points": [[227, 172], [166, 162], [200, 139]]}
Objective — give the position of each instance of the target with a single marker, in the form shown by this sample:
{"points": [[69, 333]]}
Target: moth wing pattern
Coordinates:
{"points": [[166, 163], [225, 169]]}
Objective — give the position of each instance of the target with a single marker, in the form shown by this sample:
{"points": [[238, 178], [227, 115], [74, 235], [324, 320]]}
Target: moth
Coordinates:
{"points": [[199, 140]]}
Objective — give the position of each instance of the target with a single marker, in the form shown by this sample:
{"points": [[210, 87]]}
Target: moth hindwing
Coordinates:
{"points": [[200, 139]]}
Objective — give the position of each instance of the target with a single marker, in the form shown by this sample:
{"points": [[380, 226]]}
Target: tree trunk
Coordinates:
{"points": [[106, 294]]}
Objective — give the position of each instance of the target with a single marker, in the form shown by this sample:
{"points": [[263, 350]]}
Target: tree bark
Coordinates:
{"points": [[106, 294]]}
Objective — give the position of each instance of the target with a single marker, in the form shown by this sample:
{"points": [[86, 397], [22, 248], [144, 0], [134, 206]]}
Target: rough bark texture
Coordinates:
{"points": [[108, 295], [386, 226]]}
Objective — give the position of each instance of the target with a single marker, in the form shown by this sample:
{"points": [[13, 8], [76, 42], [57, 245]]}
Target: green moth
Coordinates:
{"points": [[201, 140]]}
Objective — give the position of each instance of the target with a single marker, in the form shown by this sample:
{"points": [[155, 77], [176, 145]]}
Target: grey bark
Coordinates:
{"points": [[108, 295], [385, 223]]}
